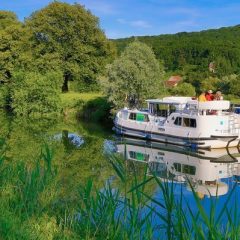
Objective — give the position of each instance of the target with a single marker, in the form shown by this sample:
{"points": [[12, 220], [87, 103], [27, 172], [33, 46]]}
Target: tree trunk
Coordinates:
{"points": [[65, 140], [65, 136], [65, 83]]}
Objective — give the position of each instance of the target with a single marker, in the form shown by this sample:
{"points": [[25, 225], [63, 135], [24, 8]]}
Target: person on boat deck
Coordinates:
{"points": [[202, 97], [218, 96], [209, 95]]}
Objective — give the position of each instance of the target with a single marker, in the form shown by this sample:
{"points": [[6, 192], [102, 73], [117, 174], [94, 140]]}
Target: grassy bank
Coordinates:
{"points": [[88, 106], [71, 101]]}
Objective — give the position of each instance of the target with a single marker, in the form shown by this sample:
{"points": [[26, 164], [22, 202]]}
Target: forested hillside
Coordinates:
{"points": [[190, 54]]}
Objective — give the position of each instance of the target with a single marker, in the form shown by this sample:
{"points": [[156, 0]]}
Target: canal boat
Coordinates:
{"points": [[182, 121], [202, 170]]}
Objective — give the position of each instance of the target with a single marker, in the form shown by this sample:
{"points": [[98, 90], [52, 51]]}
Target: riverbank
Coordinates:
{"points": [[91, 106]]}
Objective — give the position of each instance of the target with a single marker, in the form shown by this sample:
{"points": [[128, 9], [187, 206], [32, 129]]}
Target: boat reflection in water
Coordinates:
{"points": [[203, 170]]}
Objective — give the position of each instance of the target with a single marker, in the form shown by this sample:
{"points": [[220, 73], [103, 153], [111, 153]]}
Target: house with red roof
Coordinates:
{"points": [[173, 81]]}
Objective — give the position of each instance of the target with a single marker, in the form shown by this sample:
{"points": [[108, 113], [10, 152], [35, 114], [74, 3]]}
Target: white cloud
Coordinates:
{"points": [[140, 23], [102, 7], [187, 23], [184, 11], [122, 21], [135, 23]]}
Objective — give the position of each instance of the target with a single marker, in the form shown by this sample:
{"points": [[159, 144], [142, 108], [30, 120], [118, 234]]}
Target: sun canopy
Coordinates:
{"points": [[211, 105], [184, 101]]}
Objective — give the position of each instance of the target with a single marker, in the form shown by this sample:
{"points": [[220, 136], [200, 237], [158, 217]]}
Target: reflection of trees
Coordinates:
{"points": [[5, 126], [69, 146], [26, 138]]}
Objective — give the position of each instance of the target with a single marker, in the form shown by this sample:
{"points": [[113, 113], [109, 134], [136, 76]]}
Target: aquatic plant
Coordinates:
{"points": [[123, 208]]}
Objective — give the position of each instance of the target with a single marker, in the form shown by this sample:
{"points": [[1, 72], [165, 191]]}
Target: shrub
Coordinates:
{"points": [[96, 110], [35, 93]]}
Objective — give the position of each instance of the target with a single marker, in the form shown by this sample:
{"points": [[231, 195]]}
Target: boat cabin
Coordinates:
{"points": [[166, 106]]}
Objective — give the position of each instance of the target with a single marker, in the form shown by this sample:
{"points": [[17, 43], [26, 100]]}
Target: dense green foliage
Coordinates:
{"points": [[96, 110], [198, 49], [11, 31], [12, 36], [61, 38], [71, 36], [184, 89], [189, 54], [135, 74], [34, 93]]}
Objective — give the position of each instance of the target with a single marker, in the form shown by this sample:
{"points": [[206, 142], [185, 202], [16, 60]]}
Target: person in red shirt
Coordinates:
{"points": [[209, 95]]}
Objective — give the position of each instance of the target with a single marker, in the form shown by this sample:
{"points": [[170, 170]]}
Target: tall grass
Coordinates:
{"points": [[22, 189], [30, 207]]}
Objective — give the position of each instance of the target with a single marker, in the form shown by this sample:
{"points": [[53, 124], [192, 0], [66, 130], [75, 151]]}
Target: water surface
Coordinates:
{"points": [[80, 150]]}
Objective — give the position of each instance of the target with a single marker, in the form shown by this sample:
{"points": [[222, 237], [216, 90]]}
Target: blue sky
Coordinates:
{"points": [[124, 18]]}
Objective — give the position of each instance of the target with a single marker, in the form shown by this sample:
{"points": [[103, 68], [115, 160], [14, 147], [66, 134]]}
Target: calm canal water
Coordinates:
{"points": [[79, 154]]}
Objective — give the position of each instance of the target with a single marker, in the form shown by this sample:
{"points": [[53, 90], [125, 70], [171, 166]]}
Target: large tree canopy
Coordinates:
{"points": [[136, 73], [10, 34], [7, 19], [69, 36]]}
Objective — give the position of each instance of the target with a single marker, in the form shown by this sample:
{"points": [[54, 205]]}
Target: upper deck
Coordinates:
{"points": [[182, 103]]}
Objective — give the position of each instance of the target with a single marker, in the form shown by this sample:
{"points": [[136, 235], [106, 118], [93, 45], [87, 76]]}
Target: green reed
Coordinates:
{"points": [[31, 208]]}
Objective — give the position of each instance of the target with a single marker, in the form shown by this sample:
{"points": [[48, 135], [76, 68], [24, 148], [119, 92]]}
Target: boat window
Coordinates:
{"points": [[160, 110], [146, 118], [151, 108], [172, 109], [191, 170], [132, 116], [157, 168], [187, 169], [138, 156], [193, 123], [178, 121], [139, 117], [177, 167], [189, 122]]}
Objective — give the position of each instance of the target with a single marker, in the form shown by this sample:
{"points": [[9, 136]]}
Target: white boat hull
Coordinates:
{"points": [[202, 143]]}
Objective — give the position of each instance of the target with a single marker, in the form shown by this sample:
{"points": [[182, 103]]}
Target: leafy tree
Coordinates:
{"points": [[70, 37], [235, 86], [183, 89], [135, 73], [7, 18], [10, 36], [212, 83], [224, 84], [34, 93], [11, 32]]}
